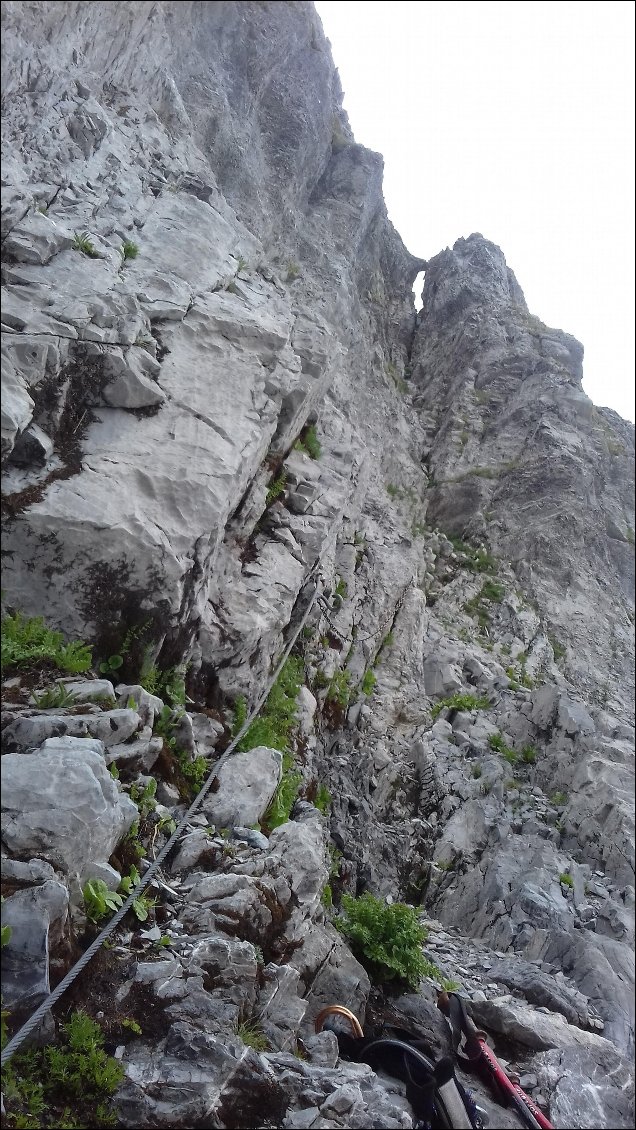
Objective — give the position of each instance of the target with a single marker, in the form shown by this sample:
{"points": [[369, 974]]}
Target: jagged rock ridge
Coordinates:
{"points": [[152, 405]]}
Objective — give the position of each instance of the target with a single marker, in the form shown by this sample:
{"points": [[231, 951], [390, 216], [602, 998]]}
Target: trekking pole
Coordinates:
{"points": [[479, 1056]]}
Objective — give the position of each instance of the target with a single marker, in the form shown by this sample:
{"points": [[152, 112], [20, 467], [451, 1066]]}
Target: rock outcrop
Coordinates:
{"points": [[220, 408]]}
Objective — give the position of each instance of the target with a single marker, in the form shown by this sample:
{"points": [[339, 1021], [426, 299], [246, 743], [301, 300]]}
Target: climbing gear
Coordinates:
{"points": [[477, 1056], [437, 1097], [339, 1010]]}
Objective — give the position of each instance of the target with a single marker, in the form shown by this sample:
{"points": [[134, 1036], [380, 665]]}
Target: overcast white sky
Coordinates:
{"points": [[515, 120]]}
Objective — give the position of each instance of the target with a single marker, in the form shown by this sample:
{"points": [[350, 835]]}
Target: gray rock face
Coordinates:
{"points": [[221, 404], [36, 918], [247, 783], [74, 826]]}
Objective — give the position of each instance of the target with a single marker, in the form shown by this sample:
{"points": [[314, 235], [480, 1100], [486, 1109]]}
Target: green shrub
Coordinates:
{"points": [[240, 714], [309, 443], [558, 649], [339, 689], [280, 808], [460, 702], [82, 242], [323, 799], [477, 771], [341, 588], [490, 590], [128, 250], [30, 642], [482, 472], [253, 1036], [39, 1084], [496, 742], [327, 896], [194, 772], [387, 939], [278, 716], [559, 799], [276, 488], [368, 682], [529, 754], [566, 879]]}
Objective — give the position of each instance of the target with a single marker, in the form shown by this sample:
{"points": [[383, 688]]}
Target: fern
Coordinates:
{"points": [[387, 939]]}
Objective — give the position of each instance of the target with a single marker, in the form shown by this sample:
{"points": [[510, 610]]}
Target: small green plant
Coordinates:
{"points": [[529, 754], [566, 879], [335, 861], [194, 772], [557, 647], [82, 242], [392, 490], [368, 682], [52, 697], [293, 271], [387, 939], [39, 1084], [99, 900], [460, 702], [130, 881], [276, 488], [280, 808], [482, 472], [132, 1026], [309, 443], [166, 825], [339, 689], [475, 560], [144, 796], [28, 642], [477, 771], [558, 799], [253, 1037], [278, 716], [5, 935], [241, 264], [630, 535], [449, 986], [341, 588], [142, 906], [490, 590], [323, 799], [240, 714], [128, 250], [509, 755], [327, 896], [110, 665]]}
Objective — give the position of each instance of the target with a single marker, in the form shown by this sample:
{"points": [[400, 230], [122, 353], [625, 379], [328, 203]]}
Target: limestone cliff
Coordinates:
{"points": [[216, 395]]}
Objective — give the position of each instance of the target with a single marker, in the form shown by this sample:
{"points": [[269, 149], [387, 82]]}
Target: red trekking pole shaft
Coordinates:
{"points": [[526, 1109]]}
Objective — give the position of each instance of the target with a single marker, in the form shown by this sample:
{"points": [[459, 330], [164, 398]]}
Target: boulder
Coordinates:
{"points": [[247, 783], [62, 803]]}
